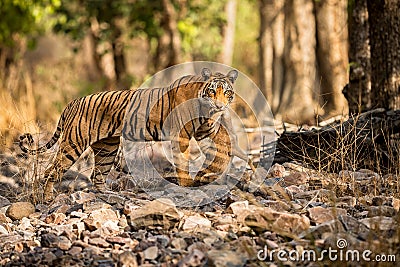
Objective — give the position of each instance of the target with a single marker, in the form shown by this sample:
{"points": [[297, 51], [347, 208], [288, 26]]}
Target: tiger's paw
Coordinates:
{"points": [[186, 182]]}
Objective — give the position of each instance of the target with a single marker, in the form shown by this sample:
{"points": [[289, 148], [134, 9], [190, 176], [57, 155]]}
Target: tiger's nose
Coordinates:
{"points": [[219, 104]]}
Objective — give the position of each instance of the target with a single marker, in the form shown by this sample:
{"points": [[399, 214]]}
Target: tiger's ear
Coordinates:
{"points": [[206, 73], [232, 75]]}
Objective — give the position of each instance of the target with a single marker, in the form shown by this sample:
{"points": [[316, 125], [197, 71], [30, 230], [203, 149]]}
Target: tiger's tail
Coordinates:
{"points": [[43, 148]]}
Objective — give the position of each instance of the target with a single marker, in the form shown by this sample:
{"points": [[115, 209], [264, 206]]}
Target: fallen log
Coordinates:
{"points": [[370, 140]]}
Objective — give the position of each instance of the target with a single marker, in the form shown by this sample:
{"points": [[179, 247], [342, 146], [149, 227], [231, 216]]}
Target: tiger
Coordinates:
{"points": [[97, 121]]}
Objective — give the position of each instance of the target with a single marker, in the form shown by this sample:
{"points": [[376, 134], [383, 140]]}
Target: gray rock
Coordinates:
{"points": [[386, 211], [359, 229], [4, 202]]}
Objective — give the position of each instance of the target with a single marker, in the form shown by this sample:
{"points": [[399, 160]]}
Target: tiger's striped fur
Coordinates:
{"points": [[97, 121]]}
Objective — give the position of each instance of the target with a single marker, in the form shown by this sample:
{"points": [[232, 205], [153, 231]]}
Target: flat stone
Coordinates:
{"points": [[261, 219], [18, 210], [112, 198], [97, 218], [385, 211], [222, 258], [381, 223], [277, 205], [292, 190], [60, 209], [296, 178], [128, 259], [99, 242], [160, 212], [82, 197], [238, 207], [53, 241], [55, 218], [321, 215], [358, 228], [75, 251], [91, 206], [119, 240], [63, 243], [317, 232], [196, 222], [151, 253], [59, 200], [322, 195]]}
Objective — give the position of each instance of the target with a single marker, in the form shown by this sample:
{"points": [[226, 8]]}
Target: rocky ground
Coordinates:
{"points": [[298, 217]]}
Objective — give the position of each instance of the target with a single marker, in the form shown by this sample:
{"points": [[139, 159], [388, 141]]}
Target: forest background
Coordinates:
{"points": [[297, 51]]}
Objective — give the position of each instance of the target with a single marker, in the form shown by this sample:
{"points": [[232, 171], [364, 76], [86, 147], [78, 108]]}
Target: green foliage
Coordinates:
{"points": [[24, 18], [247, 31], [199, 22], [201, 26]]}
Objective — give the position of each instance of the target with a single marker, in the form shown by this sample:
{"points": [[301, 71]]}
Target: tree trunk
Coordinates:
{"points": [[332, 53], [358, 91], [271, 46], [228, 32], [92, 57], [171, 28], [288, 62], [119, 58], [384, 25]]}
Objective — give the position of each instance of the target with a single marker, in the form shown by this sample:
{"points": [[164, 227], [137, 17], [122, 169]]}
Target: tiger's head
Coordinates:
{"points": [[218, 88]]}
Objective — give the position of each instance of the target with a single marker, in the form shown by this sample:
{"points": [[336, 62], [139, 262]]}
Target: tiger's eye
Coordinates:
{"points": [[228, 93]]}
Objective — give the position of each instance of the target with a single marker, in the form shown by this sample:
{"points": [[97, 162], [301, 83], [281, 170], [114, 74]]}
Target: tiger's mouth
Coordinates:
{"points": [[217, 105]]}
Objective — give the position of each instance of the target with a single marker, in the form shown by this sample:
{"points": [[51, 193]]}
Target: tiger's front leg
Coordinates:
{"points": [[218, 156], [180, 154]]}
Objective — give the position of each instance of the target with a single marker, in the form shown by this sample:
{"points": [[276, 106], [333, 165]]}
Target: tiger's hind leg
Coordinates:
{"points": [[64, 159], [105, 152]]}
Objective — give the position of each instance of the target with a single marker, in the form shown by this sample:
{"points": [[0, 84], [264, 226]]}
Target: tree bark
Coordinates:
{"points": [[332, 53], [119, 58], [171, 28], [287, 58], [271, 47], [384, 25], [228, 32], [358, 91], [93, 59]]}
